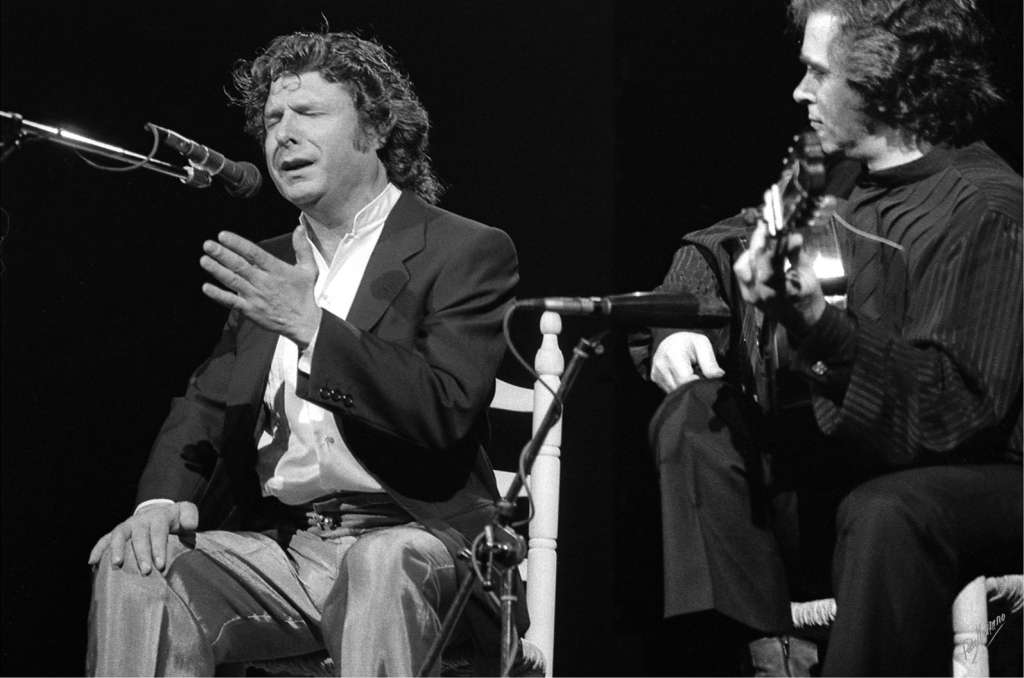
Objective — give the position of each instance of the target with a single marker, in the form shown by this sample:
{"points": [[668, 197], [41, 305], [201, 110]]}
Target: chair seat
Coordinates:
{"points": [[1007, 591], [973, 625]]}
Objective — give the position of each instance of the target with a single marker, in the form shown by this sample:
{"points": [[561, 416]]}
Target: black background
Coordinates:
{"points": [[596, 133]]}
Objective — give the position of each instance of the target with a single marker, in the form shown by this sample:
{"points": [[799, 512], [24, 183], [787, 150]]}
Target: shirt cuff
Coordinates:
{"points": [[827, 349], [306, 354], [151, 502]]}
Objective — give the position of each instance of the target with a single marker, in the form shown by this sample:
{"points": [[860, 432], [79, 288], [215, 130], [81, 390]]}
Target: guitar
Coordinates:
{"points": [[797, 202]]}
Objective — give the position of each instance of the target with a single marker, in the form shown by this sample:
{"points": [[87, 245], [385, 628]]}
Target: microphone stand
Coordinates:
{"points": [[26, 129], [499, 547]]}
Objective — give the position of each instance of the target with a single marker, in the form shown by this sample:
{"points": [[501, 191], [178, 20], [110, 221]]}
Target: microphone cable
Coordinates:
{"points": [[129, 167]]}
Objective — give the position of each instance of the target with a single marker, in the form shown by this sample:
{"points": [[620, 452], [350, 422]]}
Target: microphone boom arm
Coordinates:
{"points": [[188, 175]]}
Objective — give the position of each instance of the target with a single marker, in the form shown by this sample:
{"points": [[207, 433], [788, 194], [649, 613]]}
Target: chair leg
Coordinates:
{"points": [[970, 630]]}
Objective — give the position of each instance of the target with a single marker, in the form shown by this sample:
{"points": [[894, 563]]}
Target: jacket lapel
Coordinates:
{"points": [[403, 235], [255, 345]]}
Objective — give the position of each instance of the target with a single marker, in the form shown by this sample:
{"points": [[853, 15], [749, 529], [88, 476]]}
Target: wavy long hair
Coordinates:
{"points": [[920, 65], [383, 96]]}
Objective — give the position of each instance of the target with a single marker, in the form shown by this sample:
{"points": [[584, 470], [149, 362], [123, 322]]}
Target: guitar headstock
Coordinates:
{"points": [[793, 200]]}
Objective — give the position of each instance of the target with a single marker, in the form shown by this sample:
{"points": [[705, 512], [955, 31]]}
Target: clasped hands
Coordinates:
{"points": [[792, 297], [274, 294]]}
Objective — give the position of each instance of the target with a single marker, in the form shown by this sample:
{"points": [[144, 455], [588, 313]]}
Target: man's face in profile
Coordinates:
{"points": [[833, 108]]}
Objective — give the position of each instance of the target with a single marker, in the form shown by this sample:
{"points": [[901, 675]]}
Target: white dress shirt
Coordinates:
{"points": [[301, 455]]}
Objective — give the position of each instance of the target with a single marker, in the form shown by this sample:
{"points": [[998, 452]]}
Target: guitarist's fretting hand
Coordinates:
{"points": [[793, 298]]}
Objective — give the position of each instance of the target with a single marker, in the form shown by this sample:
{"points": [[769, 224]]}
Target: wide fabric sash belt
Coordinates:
{"points": [[352, 512]]}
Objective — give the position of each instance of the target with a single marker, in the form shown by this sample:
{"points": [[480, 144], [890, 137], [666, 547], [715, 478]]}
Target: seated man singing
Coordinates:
{"points": [[314, 484], [909, 446]]}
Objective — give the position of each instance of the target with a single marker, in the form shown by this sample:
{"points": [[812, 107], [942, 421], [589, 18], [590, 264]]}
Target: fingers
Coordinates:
{"points": [[229, 259], [759, 237], [706, 361], [98, 550], [670, 375], [140, 542], [145, 535], [188, 517], [303, 250], [684, 357], [182, 516], [743, 269], [794, 244], [248, 250], [229, 269], [757, 269], [224, 298], [157, 542], [117, 542]]}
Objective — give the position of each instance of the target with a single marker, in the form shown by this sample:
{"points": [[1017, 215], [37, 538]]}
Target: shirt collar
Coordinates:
{"points": [[373, 213], [928, 164], [376, 210]]}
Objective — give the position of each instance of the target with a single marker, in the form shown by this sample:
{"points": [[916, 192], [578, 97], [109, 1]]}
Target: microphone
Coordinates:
{"points": [[657, 309], [241, 179]]}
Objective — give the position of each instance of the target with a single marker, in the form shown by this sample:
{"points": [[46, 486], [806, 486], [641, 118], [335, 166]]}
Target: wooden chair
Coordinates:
{"points": [[970, 619], [542, 558]]}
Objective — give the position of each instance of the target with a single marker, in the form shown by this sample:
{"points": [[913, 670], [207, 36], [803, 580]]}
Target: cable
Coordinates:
{"points": [[126, 168], [557, 402]]}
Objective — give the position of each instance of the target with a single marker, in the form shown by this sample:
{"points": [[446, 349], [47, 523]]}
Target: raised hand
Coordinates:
{"points": [[272, 293]]}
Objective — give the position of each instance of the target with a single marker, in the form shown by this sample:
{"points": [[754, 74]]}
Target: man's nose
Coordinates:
{"points": [[285, 131], [802, 94]]}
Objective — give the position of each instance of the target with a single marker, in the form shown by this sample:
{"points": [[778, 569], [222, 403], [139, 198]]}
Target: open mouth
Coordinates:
{"points": [[294, 164]]}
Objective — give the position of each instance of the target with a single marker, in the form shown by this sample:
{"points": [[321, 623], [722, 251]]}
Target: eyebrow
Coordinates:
{"points": [[807, 61]]}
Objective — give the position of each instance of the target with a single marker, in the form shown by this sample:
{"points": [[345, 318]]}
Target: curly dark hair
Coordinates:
{"points": [[920, 65], [382, 94]]}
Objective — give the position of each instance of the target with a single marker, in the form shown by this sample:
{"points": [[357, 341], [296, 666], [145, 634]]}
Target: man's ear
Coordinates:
{"points": [[383, 133], [370, 139]]}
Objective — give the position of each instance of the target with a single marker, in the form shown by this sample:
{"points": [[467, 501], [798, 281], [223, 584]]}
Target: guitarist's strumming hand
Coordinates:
{"points": [[682, 357], [790, 295]]}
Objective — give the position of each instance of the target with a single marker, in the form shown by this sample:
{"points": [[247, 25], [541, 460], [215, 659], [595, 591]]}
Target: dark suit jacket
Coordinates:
{"points": [[408, 376]]}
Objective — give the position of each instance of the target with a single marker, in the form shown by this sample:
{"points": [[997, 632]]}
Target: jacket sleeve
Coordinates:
{"points": [[690, 272], [188, 445], [431, 392]]}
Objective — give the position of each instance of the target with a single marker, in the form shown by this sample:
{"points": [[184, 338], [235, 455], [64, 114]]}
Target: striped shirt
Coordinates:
{"points": [[925, 363]]}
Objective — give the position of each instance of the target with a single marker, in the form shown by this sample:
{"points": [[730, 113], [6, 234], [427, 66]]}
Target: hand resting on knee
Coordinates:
{"points": [[145, 535], [682, 357]]}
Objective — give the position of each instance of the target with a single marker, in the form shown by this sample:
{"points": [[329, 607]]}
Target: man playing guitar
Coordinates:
{"points": [[911, 444]]}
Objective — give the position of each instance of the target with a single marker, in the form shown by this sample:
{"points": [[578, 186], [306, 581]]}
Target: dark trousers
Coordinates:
{"points": [[905, 542]]}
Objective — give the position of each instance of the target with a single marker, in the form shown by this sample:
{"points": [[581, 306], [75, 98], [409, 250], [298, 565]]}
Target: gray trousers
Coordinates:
{"points": [[372, 600]]}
